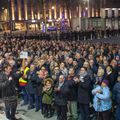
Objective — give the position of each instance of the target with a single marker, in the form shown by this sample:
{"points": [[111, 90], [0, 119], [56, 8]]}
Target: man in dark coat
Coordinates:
{"points": [[116, 97], [33, 91], [72, 95], [9, 95], [61, 90], [84, 85]]}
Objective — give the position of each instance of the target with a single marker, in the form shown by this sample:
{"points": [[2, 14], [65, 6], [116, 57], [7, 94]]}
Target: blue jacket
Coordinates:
{"points": [[102, 101]]}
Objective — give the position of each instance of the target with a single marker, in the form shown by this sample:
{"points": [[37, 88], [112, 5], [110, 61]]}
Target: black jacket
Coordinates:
{"points": [[73, 88], [34, 83], [61, 96], [7, 87], [84, 90], [116, 93]]}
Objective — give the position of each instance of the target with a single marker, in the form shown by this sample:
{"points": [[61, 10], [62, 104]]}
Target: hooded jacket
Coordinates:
{"points": [[102, 101]]}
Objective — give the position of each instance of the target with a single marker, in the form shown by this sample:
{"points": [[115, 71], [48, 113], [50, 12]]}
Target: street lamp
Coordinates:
{"points": [[53, 7]]}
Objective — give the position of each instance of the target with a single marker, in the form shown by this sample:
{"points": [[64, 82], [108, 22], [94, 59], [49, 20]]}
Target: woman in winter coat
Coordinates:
{"points": [[102, 100], [47, 97]]}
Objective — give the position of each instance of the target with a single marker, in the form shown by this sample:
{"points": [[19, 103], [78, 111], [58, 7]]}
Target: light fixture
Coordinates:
{"points": [[53, 7], [33, 21]]}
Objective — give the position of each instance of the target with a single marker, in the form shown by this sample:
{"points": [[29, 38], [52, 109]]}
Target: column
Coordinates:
{"points": [[60, 12], [79, 11], [32, 12], [50, 11], [55, 13], [65, 14], [109, 12], [26, 10], [116, 12], [38, 9], [13, 9], [19, 10]]}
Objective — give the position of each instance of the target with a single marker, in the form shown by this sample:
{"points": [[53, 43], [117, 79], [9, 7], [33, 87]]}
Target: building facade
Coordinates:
{"points": [[35, 14], [99, 14]]}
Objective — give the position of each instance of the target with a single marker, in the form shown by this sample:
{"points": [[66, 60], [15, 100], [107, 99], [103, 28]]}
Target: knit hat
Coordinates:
{"points": [[106, 82]]}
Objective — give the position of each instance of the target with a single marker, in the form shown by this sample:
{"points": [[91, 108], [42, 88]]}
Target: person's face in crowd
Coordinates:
{"points": [[101, 58], [1, 59], [56, 69], [11, 62], [114, 63], [66, 59], [117, 58], [32, 67], [100, 72], [105, 63], [77, 56], [82, 70], [48, 84], [103, 84], [108, 69], [62, 65], [84, 53], [119, 51], [90, 57], [97, 58], [105, 58], [91, 62], [75, 63], [113, 51], [102, 50], [42, 62], [86, 64], [71, 71], [61, 79], [51, 58], [70, 61], [43, 69], [4, 49], [118, 79], [8, 70]]}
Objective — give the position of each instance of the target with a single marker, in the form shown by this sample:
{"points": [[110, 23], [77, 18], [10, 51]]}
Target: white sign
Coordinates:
{"points": [[23, 55]]}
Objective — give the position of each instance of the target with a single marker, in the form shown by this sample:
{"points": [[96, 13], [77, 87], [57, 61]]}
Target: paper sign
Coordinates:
{"points": [[23, 55]]}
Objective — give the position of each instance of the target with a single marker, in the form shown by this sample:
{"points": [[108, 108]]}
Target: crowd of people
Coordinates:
{"points": [[66, 35], [69, 78]]}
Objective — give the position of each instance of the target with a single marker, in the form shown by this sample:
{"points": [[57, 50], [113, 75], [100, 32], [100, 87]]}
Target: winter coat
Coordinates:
{"points": [[73, 88], [111, 80], [84, 90], [7, 86], [61, 96], [47, 96], [102, 101], [116, 93], [33, 83]]}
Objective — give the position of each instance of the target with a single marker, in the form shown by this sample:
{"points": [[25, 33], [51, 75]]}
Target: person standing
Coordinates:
{"points": [[72, 95], [84, 86], [9, 94], [60, 95], [116, 98], [102, 100]]}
